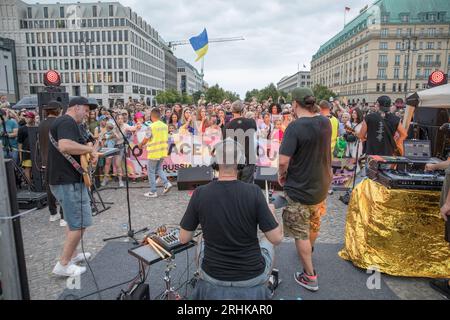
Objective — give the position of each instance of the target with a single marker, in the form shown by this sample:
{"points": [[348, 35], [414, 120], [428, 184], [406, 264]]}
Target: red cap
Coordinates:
{"points": [[29, 114]]}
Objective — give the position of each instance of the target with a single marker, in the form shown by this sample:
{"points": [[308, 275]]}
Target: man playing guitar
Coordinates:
{"points": [[67, 146]]}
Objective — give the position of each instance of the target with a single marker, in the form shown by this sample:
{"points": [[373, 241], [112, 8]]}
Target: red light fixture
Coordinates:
{"points": [[52, 79], [437, 78]]}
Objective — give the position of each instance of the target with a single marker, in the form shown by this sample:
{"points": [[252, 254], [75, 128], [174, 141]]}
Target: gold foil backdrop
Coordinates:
{"points": [[398, 231]]}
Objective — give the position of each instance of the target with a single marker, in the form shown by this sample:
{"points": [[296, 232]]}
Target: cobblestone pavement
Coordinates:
{"points": [[43, 240]]}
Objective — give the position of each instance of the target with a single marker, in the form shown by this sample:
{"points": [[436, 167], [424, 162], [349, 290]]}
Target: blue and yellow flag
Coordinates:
{"points": [[200, 44]]}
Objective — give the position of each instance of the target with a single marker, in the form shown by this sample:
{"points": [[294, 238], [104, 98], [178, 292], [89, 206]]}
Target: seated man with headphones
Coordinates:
{"points": [[232, 261]]}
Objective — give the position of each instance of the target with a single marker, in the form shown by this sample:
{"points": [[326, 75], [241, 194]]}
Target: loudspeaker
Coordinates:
{"points": [[45, 97], [268, 174], [191, 178], [429, 120]]}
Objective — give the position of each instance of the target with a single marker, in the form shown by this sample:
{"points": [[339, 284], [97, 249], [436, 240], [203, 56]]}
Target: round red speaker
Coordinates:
{"points": [[437, 77]]}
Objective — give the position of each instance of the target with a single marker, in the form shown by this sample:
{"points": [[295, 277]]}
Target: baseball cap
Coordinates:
{"points": [[82, 101], [53, 105], [384, 102], [299, 94], [29, 114]]}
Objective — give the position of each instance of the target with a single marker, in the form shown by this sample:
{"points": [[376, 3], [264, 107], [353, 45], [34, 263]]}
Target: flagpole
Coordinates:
{"points": [[203, 67]]}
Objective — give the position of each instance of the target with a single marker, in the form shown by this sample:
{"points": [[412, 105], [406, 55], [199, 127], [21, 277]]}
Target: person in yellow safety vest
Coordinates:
{"points": [[325, 111], [157, 141]]}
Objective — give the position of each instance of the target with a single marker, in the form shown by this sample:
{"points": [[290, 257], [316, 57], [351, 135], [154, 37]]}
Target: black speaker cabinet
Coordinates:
{"points": [[191, 178], [270, 175], [45, 97], [427, 122]]}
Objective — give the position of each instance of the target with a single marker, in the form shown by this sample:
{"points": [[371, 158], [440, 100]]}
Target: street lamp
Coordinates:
{"points": [[409, 44], [86, 51]]}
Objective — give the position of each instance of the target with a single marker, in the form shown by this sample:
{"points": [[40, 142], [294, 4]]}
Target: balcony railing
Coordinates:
{"points": [[428, 63], [383, 64]]}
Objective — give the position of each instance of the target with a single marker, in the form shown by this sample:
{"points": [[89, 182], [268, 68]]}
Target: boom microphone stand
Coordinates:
{"points": [[131, 233]]}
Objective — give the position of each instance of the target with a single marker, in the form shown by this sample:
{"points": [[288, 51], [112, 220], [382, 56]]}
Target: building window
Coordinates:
{"points": [[111, 10], [399, 87], [29, 13], [94, 11], [382, 73], [427, 73], [61, 12], [394, 87], [430, 45], [378, 87], [384, 32], [405, 18], [397, 60], [383, 45], [46, 12], [396, 73]]}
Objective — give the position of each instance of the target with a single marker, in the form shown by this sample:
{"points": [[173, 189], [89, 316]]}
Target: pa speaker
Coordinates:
{"points": [[45, 97], [191, 178]]}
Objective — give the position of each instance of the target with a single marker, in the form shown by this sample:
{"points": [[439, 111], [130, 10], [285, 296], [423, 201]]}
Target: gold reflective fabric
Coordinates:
{"points": [[398, 231], [158, 146]]}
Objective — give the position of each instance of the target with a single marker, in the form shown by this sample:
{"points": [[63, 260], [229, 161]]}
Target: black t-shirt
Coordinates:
{"points": [[22, 138], [378, 142], [308, 142], [44, 129], [229, 213], [61, 171], [249, 129]]}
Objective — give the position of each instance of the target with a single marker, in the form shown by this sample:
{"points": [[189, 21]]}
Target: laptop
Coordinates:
{"points": [[419, 151]]}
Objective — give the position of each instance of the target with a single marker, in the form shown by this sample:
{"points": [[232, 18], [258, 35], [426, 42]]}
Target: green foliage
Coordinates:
{"points": [[322, 93], [169, 96]]}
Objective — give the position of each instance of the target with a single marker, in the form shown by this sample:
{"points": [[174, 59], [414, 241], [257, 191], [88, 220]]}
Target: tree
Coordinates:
{"points": [[269, 91], [250, 94], [186, 99], [232, 96], [196, 95], [161, 97], [215, 94], [322, 93]]}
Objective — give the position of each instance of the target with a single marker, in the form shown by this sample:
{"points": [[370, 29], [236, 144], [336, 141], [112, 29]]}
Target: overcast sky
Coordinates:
{"points": [[279, 34]]}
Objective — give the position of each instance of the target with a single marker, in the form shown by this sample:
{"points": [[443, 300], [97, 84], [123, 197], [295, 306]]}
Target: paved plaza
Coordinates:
{"points": [[43, 240]]}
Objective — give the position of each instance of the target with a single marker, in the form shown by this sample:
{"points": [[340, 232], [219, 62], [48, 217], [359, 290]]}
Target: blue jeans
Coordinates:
{"points": [[155, 168], [268, 253], [12, 155]]}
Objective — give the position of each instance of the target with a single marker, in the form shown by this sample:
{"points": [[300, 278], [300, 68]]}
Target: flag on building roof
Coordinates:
{"points": [[200, 44], [347, 8]]}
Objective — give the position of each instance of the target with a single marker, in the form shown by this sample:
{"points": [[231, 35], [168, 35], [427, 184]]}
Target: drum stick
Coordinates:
{"points": [[151, 243], [160, 248]]}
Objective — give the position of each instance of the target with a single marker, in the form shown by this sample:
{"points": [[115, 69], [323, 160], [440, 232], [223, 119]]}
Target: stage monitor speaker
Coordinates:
{"points": [[45, 97], [191, 178], [428, 121], [268, 174]]}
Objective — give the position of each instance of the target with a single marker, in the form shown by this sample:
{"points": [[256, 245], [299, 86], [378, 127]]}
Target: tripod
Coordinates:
{"points": [[130, 233], [170, 293]]}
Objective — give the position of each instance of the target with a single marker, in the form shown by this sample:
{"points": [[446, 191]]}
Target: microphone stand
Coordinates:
{"points": [[130, 233]]}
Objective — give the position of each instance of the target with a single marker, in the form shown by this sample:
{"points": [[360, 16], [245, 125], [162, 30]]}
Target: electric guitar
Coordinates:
{"points": [[88, 166]]}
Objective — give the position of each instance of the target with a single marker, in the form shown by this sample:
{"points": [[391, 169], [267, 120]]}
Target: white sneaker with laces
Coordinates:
{"points": [[121, 184], [54, 217], [167, 188], [151, 195], [71, 270], [62, 223], [104, 182], [81, 257]]}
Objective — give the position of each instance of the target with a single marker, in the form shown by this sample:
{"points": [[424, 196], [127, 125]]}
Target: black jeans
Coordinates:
{"points": [[247, 174], [51, 201]]}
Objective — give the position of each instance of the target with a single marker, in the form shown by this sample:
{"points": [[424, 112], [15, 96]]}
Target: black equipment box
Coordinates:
{"points": [[268, 174], [29, 199], [394, 179], [191, 178]]}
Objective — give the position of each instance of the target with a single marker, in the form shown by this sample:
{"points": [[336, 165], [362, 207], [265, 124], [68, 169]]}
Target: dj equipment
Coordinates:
{"points": [[403, 173], [268, 174], [168, 241], [191, 178]]}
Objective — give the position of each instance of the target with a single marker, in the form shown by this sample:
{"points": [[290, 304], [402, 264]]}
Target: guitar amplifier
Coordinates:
{"points": [[191, 178]]}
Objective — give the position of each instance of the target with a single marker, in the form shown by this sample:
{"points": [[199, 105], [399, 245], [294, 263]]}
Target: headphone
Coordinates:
{"points": [[238, 157]]}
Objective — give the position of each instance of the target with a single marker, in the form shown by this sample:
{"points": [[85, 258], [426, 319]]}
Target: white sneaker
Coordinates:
{"points": [[54, 217], [71, 270], [167, 188], [104, 182], [121, 184], [151, 195], [81, 257], [63, 223]]}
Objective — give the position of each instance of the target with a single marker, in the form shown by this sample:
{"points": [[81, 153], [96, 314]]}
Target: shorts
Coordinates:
{"points": [[76, 204], [299, 220], [27, 164]]}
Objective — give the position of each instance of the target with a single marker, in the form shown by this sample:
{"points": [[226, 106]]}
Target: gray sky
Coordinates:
{"points": [[279, 34]]}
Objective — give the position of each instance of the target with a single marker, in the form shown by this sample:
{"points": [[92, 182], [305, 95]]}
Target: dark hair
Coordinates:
{"points": [[360, 115], [155, 113], [308, 103], [275, 105]]}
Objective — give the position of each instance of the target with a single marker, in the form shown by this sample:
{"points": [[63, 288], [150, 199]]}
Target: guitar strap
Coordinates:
{"points": [[69, 158]]}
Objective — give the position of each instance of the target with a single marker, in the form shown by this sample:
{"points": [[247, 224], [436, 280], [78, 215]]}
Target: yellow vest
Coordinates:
{"points": [[157, 147], [334, 132]]}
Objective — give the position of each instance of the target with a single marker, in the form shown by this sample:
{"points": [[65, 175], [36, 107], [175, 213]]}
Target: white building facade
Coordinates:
{"points": [[289, 83], [102, 50], [189, 80]]}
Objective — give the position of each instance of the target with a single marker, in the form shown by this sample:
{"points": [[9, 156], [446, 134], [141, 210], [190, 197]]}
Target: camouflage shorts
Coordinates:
{"points": [[299, 220]]}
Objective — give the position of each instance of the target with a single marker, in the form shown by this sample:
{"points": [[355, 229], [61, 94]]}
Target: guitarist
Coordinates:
{"points": [[67, 144], [379, 129]]}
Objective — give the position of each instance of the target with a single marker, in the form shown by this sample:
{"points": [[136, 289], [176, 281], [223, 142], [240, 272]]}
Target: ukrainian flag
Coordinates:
{"points": [[200, 44]]}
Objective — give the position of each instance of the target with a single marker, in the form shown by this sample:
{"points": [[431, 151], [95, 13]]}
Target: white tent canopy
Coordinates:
{"points": [[437, 97]]}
